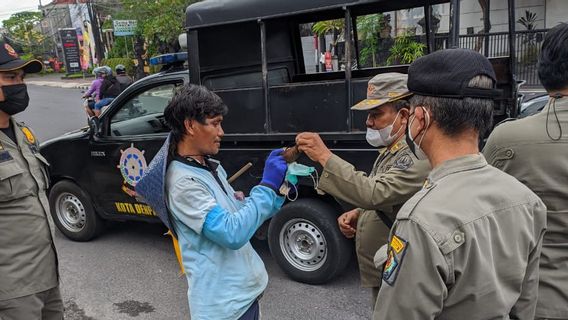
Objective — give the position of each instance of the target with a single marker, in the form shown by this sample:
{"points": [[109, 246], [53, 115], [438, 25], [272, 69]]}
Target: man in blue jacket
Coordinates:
{"points": [[213, 224]]}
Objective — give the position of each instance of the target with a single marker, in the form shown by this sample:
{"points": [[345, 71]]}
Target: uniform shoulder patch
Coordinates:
{"points": [[29, 135], [396, 251], [403, 162]]}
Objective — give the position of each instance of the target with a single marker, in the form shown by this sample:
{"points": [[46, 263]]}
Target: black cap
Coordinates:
{"points": [[10, 61], [447, 73]]}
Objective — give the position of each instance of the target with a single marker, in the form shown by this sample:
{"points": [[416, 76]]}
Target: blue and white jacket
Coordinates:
{"points": [[224, 273]]}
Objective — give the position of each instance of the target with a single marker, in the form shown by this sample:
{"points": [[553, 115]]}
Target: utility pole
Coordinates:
{"points": [[96, 31]]}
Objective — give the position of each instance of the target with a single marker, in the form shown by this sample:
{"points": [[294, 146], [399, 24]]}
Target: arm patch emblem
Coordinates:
{"points": [[397, 249], [404, 162]]}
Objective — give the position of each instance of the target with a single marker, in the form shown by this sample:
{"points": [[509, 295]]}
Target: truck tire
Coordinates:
{"points": [[306, 243], [73, 212]]}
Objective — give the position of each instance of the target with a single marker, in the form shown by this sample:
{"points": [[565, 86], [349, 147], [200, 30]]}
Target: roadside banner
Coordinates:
{"points": [[70, 50]]}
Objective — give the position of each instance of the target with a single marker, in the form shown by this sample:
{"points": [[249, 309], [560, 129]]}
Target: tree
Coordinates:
{"points": [[369, 30], [159, 21], [20, 29], [335, 27], [159, 24]]}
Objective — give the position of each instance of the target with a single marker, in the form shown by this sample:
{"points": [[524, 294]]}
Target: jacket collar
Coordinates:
{"points": [[464, 163]]}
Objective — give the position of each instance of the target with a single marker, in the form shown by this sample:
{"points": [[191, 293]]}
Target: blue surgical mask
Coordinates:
{"points": [[294, 171]]}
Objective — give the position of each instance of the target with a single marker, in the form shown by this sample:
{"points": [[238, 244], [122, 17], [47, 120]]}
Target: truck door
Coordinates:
{"points": [[134, 130]]}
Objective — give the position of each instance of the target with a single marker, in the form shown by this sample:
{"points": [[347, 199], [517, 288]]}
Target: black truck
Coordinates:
{"points": [[262, 58]]}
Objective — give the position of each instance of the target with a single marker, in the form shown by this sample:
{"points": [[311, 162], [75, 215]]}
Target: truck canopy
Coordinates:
{"points": [[214, 12]]}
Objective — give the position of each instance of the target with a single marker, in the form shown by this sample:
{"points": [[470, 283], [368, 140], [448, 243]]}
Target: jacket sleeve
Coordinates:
{"points": [[93, 88], [384, 190], [191, 202], [413, 284], [525, 307]]}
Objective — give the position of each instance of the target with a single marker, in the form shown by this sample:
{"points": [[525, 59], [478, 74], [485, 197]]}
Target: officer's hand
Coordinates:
{"points": [[312, 145], [348, 223], [274, 170]]}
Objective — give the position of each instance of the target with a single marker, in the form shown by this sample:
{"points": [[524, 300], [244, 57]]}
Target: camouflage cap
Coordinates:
{"points": [[384, 88]]}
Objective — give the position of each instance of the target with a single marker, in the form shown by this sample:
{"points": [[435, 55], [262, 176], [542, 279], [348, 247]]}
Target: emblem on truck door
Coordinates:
{"points": [[132, 166]]}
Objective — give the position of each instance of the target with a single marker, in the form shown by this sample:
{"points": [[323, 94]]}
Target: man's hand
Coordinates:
{"points": [[274, 170], [348, 223], [312, 145]]}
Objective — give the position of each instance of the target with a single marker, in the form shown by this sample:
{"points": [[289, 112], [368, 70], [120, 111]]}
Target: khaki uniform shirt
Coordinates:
{"points": [[466, 246], [395, 177], [523, 149], [28, 262]]}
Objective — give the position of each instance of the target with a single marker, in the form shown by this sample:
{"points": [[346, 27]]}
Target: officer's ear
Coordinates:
{"points": [[404, 115]]}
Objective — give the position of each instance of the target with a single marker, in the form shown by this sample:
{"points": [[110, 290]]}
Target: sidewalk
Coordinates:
{"points": [[54, 80]]}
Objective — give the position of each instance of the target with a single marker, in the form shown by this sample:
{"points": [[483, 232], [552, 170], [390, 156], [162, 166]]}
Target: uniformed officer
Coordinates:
{"points": [[29, 284], [535, 150], [395, 177], [467, 245]]}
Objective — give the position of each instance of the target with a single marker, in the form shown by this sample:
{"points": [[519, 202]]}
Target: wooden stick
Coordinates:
{"points": [[240, 172]]}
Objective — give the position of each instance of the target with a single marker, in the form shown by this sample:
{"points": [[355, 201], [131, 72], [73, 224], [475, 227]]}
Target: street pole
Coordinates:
{"points": [[96, 31]]}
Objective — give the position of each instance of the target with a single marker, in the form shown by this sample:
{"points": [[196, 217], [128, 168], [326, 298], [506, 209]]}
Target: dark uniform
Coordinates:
{"points": [[28, 261], [524, 149]]}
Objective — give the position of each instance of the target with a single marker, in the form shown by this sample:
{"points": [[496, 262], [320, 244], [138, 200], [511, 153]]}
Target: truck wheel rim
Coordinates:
{"points": [[303, 245], [71, 212]]}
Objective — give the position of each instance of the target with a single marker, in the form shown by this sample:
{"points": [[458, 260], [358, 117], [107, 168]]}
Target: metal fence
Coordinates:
{"points": [[527, 46]]}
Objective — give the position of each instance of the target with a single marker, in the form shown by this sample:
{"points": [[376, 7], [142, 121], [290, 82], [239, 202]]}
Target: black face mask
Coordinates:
{"points": [[16, 99]]}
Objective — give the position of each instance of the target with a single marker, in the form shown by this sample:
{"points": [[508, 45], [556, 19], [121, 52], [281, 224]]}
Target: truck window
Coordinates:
{"points": [[323, 45], [143, 113], [390, 38]]}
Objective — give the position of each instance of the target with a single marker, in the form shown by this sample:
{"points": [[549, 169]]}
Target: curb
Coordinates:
{"points": [[84, 86]]}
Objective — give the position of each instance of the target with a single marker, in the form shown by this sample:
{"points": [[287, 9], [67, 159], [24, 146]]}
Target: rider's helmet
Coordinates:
{"points": [[120, 69], [98, 71], [108, 70]]}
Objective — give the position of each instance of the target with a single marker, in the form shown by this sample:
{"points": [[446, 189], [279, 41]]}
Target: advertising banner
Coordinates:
{"points": [[70, 50]]}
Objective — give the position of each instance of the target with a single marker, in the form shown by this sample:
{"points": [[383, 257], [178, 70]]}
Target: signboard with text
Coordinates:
{"points": [[70, 50], [124, 27]]}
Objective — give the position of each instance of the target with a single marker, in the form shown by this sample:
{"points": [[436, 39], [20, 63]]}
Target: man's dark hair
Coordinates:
{"points": [[401, 104], [553, 59], [191, 102], [454, 115]]}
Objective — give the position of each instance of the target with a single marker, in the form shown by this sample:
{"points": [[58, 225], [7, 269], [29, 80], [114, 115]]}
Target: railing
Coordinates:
{"points": [[527, 44]]}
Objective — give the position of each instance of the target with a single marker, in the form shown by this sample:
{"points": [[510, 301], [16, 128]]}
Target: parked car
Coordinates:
{"points": [[533, 106]]}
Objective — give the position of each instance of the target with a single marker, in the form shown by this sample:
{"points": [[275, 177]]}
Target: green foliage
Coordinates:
{"points": [[368, 29], [528, 21], [122, 47], [529, 56], [159, 21], [20, 28], [405, 49], [113, 62], [323, 27]]}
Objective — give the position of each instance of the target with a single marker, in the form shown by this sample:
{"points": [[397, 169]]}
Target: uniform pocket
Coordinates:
{"points": [[10, 174]]}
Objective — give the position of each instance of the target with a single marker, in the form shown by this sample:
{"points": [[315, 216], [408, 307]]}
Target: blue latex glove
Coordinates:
{"points": [[274, 170]]}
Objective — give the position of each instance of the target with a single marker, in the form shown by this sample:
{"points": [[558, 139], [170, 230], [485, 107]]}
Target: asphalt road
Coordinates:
{"points": [[130, 271]]}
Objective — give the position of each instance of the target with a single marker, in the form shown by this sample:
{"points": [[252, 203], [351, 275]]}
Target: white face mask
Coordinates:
{"points": [[382, 137]]}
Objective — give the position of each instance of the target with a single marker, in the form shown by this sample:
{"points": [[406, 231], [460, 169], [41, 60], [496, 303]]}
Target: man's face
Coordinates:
{"points": [[9, 78], [206, 138], [384, 116]]}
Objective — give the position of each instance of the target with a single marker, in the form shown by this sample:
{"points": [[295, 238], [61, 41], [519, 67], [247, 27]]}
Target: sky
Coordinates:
{"points": [[9, 7]]}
